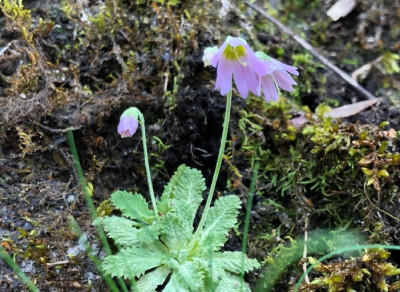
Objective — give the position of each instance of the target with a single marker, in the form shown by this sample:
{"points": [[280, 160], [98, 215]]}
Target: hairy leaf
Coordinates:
{"points": [[120, 229], [132, 262], [174, 230], [133, 206], [232, 283], [147, 235], [234, 262], [183, 193], [220, 220], [150, 281], [174, 285], [190, 274]]}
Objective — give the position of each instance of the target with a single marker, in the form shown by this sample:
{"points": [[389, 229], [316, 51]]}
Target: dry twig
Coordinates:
{"points": [[346, 77]]}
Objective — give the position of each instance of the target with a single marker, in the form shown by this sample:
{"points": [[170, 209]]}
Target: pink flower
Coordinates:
{"points": [[236, 58], [276, 76], [128, 122]]}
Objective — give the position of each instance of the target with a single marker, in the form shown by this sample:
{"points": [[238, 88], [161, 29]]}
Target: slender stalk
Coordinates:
{"points": [[146, 162], [339, 251], [247, 218], [21, 275], [217, 167], [92, 210], [94, 258], [86, 190]]}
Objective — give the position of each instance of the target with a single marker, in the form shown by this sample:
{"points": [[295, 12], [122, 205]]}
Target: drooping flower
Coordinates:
{"points": [[128, 122], [277, 75], [235, 57]]}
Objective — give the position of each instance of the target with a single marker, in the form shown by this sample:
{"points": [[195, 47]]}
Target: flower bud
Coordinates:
{"points": [[128, 122]]}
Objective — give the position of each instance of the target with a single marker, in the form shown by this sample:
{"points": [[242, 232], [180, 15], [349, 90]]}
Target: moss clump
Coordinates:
{"points": [[312, 173], [15, 12], [371, 269], [321, 160]]}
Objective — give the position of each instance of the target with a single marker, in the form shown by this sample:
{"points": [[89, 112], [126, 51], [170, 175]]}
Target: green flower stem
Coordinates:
{"points": [[92, 209], [21, 275], [339, 251], [217, 167], [85, 189], [146, 162], [94, 258], [247, 218]]}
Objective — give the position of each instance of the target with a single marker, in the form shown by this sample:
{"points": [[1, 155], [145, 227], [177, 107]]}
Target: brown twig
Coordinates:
{"points": [[57, 263], [307, 280], [346, 77], [53, 130]]}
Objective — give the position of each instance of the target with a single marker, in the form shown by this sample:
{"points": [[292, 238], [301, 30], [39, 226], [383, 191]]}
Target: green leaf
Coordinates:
{"points": [[188, 275], [133, 206], [147, 235], [220, 265], [174, 230], [150, 281], [191, 275], [232, 283], [174, 285], [132, 262], [234, 262], [121, 230], [220, 220], [183, 193]]}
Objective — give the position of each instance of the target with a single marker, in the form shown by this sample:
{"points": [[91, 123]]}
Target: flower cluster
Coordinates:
{"points": [[251, 71]]}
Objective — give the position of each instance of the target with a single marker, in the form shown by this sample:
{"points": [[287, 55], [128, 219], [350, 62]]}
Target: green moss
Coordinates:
{"points": [[351, 275], [326, 165], [15, 11], [158, 156]]}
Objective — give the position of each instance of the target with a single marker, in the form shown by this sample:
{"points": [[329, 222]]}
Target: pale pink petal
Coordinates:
{"points": [[224, 76], [215, 59], [250, 73], [250, 57], [127, 126], [252, 80], [269, 88], [121, 127], [271, 66], [290, 69], [235, 42], [284, 80], [254, 62], [245, 79], [240, 78], [218, 55]]}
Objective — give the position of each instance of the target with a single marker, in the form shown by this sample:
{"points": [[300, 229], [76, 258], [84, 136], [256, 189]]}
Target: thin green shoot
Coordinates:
{"points": [[13, 265], [217, 167], [318, 242], [95, 260], [146, 162], [248, 212], [88, 199]]}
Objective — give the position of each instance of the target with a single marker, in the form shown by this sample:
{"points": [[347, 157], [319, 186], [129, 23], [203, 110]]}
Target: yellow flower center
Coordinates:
{"points": [[235, 53]]}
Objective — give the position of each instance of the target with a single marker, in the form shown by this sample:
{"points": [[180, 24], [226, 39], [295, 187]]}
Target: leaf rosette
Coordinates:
{"points": [[158, 250]]}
